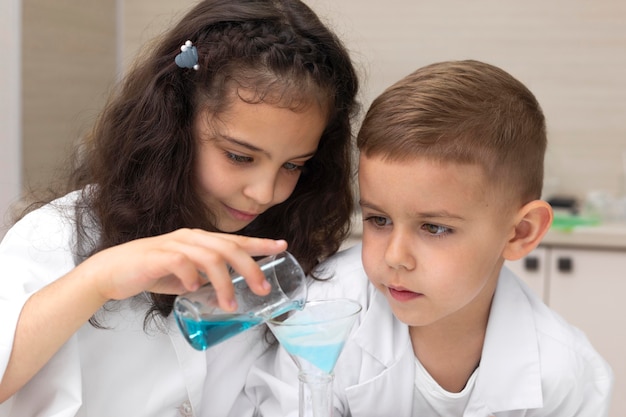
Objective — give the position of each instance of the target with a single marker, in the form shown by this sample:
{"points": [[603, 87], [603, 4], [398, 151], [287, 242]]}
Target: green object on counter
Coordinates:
{"points": [[567, 222]]}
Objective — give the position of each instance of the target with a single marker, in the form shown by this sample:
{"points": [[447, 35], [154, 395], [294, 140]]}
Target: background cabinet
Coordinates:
{"points": [[586, 287], [532, 269]]}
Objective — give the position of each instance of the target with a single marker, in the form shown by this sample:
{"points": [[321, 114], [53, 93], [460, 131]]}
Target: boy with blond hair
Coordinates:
{"points": [[450, 177]]}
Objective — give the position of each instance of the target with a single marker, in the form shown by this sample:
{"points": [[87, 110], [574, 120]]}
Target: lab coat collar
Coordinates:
{"points": [[393, 339], [509, 377], [392, 349]]}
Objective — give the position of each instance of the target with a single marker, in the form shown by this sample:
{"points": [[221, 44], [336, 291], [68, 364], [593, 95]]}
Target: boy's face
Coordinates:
{"points": [[433, 236]]}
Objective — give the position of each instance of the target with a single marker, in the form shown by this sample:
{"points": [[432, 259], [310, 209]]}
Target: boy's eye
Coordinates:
{"points": [[378, 221], [436, 230]]}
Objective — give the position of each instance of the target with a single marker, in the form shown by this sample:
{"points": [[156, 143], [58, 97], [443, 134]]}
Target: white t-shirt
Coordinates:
{"points": [[431, 398]]}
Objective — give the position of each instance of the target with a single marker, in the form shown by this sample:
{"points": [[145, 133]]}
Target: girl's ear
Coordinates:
{"points": [[532, 222]]}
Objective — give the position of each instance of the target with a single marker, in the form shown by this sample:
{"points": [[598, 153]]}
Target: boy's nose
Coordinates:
{"points": [[398, 253]]}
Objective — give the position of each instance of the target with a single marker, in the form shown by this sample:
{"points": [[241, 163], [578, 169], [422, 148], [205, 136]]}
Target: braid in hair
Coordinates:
{"points": [[266, 57]]}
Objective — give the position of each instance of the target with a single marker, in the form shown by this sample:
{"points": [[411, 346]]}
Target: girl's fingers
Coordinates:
{"points": [[220, 242], [219, 276], [172, 263], [214, 262], [183, 269], [237, 252], [242, 262]]}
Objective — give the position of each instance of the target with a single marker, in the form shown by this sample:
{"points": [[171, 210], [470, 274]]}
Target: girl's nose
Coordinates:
{"points": [[261, 188], [398, 253]]}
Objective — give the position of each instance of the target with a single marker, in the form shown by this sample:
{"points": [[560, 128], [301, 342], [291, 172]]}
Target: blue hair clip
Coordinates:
{"points": [[188, 56]]}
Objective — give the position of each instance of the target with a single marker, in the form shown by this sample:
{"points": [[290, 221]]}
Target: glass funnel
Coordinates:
{"points": [[314, 338]]}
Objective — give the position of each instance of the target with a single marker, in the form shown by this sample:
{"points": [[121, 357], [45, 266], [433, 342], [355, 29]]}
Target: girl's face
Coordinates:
{"points": [[252, 158], [433, 237]]}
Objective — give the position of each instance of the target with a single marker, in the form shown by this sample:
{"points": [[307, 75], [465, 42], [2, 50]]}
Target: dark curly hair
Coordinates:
{"points": [[140, 154]]}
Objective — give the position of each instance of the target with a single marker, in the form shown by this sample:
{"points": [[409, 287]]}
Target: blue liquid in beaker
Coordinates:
{"points": [[203, 334], [211, 330]]}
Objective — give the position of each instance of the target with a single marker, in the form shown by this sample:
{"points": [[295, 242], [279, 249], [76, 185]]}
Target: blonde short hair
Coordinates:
{"points": [[463, 112]]}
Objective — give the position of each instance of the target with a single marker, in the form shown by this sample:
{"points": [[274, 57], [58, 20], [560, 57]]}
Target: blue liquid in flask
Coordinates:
{"points": [[323, 357]]}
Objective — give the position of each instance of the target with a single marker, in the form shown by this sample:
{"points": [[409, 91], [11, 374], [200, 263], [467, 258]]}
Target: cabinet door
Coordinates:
{"points": [[533, 270], [587, 288]]}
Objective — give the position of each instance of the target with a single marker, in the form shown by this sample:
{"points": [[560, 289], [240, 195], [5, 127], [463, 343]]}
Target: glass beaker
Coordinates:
{"points": [[204, 323]]}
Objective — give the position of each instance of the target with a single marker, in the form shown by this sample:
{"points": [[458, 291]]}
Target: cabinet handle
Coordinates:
{"points": [[565, 264], [531, 263]]}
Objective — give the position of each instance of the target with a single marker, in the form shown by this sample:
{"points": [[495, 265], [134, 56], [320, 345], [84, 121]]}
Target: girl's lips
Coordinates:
{"points": [[403, 295], [241, 215]]}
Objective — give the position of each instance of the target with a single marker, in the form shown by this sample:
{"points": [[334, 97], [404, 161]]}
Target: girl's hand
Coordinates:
{"points": [[170, 264]]}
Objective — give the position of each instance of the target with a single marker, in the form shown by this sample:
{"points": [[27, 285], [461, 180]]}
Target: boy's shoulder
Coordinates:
{"points": [[550, 326], [567, 348], [530, 349], [346, 260], [564, 353]]}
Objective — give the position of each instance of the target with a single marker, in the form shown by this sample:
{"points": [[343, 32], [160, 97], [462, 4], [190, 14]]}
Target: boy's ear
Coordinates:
{"points": [[532, 222]]}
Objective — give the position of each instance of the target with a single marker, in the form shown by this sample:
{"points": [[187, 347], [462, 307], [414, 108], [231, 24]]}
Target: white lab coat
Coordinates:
{"points": [[121, 371], [533, 363]]}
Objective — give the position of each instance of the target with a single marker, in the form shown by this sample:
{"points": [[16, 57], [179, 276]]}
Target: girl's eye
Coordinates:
{"points": [[290, 166], [436, 230], [378, 221], [239, 159]]}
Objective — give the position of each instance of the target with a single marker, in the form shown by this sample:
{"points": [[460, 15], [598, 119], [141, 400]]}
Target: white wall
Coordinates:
{"points": [[10, 106], [68, 66], [570, 53]]}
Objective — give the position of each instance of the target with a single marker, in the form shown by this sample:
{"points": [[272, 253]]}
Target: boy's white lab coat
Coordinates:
{"points": [[533, 363], [120, 371]]}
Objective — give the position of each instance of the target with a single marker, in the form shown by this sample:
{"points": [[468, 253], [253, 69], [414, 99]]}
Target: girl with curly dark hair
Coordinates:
{"points": [[230, 139]]}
